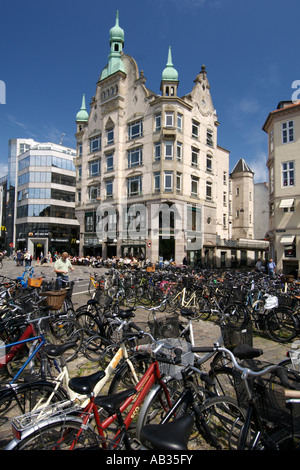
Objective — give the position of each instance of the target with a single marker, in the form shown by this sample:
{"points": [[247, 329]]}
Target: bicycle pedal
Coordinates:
{"points": [[135, 444]]}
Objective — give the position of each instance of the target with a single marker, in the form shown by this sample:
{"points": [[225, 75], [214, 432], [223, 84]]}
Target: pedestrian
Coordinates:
{"points": [[62, 267], [258, 265], [27, 258], [19, 257], [185, 260], [271, 267]]}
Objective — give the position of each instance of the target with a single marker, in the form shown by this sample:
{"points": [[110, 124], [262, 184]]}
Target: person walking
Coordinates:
{"points": [[271, 267], [62, 266], [27, 259]]}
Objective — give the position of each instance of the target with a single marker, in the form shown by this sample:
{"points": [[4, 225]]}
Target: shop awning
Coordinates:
{"points": [[287, 239], [286, 203]]}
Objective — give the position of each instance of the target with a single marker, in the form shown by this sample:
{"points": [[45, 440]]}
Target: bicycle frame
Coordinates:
{"points": [[134, 402], [151, 376], [18, 345], [186, 303], [63, 376]]}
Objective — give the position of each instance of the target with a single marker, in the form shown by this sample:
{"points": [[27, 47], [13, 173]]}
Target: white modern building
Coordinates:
{"points": [[42, 197]]}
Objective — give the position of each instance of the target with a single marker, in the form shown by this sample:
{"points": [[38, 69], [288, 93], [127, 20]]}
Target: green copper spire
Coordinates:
{"points": [[82, 115], [116, 40], [116, 33], [170, 73]]}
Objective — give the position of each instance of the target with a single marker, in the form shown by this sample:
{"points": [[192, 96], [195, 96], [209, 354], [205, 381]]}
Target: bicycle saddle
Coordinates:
{"points": [[185, 312], [92, 302], [57, 350], [126, 313], [85, 385], [169, 436], [244, 351], [111, 403]]}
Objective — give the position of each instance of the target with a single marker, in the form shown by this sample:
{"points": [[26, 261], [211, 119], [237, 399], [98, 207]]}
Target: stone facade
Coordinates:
{"points": [[283, 128], [150, 166]]}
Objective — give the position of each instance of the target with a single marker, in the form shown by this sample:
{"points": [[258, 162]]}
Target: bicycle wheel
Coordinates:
{"points": [[124, 378], [281, 325], [22, 399], [64, 330], [59, 435], [236, 316], [156, 405], [219, 419], [173, 302], [203, 310], [98, 349], [224, 381], [286, 440], [89, 323]]}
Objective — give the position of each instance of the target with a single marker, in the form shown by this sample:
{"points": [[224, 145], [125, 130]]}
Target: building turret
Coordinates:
{"points": [[169, 79]]}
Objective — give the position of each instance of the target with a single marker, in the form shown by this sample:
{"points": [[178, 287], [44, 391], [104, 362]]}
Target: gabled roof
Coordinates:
{"points": [[242, 166], [283, 107]]}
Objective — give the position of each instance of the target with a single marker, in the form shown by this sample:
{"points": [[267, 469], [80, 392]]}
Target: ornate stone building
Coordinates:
{"points": [[151, 177], [283, 127]]}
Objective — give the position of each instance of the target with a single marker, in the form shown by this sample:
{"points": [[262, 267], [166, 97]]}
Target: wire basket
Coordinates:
{"points": [[187, 357], [164, 326], [54, 299], [285, 300], [239, 295], [269, 390], [234, 337]]}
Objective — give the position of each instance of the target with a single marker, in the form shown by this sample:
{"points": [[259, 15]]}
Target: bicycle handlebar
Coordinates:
{"points": [[244, 370], [157, 307]]}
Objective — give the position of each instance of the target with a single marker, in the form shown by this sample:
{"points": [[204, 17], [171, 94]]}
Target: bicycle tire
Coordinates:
{"points": [[203, 309], [124, 379], [22, 399], [221, 419], [281, 325], [89, 323], [236, 316], [97, 349], [174, 302], [57, 435], [285, 440], [156, 405], [224, 381]]}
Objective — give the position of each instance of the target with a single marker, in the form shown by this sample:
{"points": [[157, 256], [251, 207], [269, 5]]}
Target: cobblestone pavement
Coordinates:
{"points": [[205, 332]]}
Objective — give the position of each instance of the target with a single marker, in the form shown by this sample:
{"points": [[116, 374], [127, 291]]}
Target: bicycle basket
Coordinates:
{"points": [[239, 295], [54, 299], [34, 282], [187, 357], [285, 300], [164, 326], [269, 390], [234, 337]]}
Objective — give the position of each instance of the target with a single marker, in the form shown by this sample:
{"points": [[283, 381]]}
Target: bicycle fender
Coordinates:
{"points": [[40, 426], [150, 396]]}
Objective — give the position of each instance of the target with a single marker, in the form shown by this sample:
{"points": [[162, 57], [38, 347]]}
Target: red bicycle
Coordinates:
{"points": [[75, 428]]}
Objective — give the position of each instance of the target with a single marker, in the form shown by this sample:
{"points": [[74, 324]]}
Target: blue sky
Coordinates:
{"points": [[53, 52]]}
